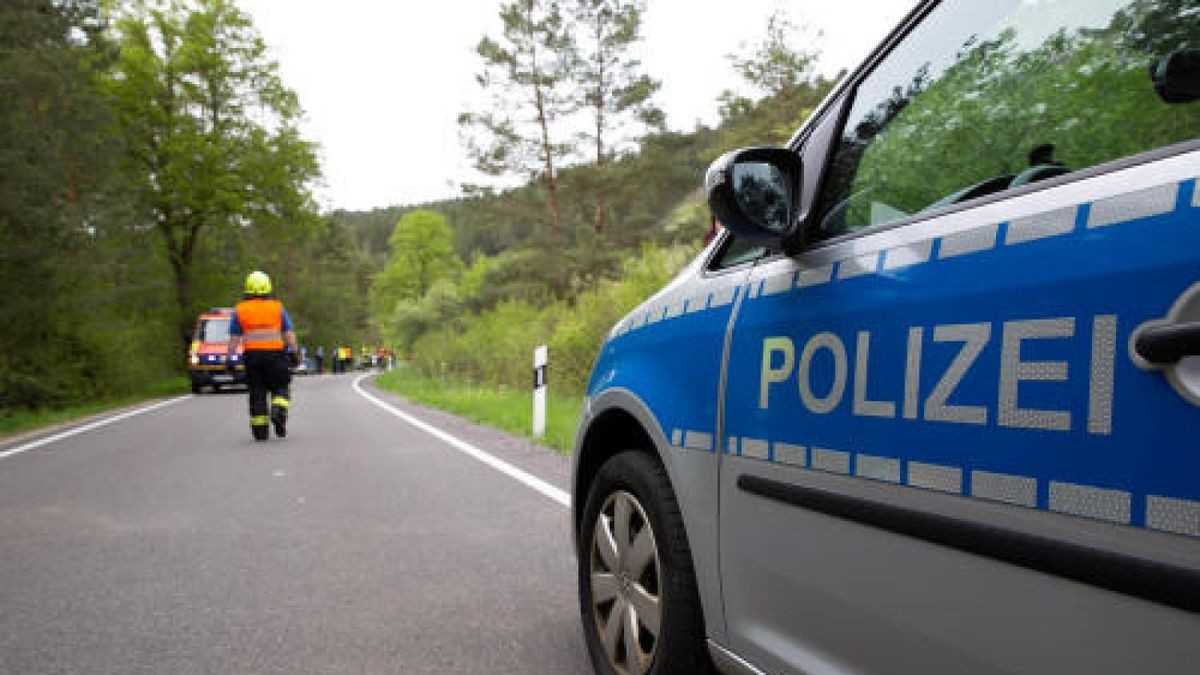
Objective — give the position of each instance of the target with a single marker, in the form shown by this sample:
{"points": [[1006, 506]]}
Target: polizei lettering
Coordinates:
{"points": [[849, 373]]}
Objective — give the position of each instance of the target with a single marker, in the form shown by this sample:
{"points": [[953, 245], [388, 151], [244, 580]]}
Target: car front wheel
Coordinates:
{"points": [[637, 589]]}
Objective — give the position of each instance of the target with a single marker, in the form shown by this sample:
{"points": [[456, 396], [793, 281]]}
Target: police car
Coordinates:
{"points": [[931, 402]]}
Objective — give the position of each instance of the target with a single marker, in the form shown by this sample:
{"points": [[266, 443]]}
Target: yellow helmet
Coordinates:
{"points": [[258, 283]]}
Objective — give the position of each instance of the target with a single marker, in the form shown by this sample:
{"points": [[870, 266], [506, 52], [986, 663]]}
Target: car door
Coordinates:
{"points": [[955, 441], [662, 365]]}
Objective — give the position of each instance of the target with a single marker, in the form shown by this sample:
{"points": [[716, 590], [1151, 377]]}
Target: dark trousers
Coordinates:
{"points": [[266, 373]]}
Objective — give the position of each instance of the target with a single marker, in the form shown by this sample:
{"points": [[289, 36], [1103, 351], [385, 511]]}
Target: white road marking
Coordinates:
{"points": [[88, 427], [548, 490]]}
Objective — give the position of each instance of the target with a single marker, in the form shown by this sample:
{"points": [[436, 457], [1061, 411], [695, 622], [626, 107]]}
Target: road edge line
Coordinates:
{"points": [[33, 445], [531, 481]]}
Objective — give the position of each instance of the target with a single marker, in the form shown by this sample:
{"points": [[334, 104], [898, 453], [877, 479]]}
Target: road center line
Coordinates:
{"points": [[88, 427], [548, 490]]}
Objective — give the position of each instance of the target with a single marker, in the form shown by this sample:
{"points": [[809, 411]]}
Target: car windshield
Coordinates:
{"points": [[213, 330]]}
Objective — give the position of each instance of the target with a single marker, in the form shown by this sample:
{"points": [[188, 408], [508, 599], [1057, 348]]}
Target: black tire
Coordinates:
{"points": [[637, 479], [195, 387]]}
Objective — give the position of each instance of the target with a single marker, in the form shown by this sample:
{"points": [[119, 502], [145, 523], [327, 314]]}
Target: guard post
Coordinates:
{"points": [[539, 391]]}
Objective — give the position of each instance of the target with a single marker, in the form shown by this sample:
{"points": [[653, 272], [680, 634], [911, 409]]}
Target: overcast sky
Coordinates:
{"points": [[382, 81]]}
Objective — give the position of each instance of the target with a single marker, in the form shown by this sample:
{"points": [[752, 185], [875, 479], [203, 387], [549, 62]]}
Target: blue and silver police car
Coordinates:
{"points": [[931, 401]]}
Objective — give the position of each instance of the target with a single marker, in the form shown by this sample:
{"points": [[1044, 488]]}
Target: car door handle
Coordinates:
{"points": [[1164, 345]]}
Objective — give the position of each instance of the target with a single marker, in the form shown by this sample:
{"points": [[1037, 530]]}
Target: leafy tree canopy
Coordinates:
{"points": [[210, 127], [422, 252]]}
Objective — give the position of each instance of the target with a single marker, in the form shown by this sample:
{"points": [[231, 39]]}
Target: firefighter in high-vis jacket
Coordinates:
{"points": [[262, 327]]}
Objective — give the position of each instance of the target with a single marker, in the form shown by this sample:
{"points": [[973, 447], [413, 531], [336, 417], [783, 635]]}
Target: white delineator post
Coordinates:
{"points": [[539, 391]]}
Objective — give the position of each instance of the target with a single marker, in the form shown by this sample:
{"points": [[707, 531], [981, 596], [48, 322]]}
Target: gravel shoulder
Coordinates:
{"points": [[519, 451]]}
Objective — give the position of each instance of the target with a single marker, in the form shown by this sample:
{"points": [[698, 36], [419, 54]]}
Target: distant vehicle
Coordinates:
{"points": [[209, 361], [930, 401]]}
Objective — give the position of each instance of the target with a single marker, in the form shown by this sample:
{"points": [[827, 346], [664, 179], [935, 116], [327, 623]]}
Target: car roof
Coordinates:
{"points": [[216, 313]]}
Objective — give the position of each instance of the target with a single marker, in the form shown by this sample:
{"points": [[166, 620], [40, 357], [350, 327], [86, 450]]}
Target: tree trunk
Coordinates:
{"points": [[598, 216], [182, 280], [548, 157], [601, 88], [180, 254], [552, 200]]}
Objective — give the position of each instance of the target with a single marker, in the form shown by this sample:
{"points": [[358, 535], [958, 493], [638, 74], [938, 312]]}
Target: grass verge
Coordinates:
{"points": [[13, 421], [504, 409]]}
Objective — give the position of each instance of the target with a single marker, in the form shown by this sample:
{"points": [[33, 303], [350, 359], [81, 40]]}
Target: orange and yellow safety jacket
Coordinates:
{"points": [[261, 322]]}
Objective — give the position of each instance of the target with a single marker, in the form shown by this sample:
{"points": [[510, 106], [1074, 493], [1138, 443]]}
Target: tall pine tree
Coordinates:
{"points": [[527, 73], [618, 95]]}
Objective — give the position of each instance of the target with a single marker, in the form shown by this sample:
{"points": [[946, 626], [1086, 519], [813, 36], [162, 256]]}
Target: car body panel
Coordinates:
{"points": [[661, 364]]}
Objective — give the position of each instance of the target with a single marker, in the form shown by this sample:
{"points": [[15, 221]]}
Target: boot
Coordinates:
{"points": [[259, 428], [279, 411]]}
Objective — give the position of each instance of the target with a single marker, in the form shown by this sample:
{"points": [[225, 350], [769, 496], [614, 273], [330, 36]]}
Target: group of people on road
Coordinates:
{"points": [[342, 359]]}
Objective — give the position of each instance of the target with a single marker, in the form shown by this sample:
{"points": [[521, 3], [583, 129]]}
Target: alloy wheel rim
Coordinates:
{"points": [[625, 584]]}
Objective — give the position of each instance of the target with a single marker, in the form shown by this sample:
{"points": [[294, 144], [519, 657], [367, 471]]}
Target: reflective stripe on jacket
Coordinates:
{"points": [[262, 323]]}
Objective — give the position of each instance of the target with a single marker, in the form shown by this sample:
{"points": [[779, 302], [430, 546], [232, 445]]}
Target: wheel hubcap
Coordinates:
{"points": [[625, 584]]}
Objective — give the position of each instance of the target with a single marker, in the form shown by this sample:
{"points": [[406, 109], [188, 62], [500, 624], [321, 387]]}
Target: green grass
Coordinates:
{"points": [[505, 409], [17, 420]]}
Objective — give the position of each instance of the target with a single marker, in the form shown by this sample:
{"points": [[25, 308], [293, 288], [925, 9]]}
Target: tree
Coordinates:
{"points": [[210, 127], [410, 319], [618, 96], [57, 183], [775, 67], [422, 253], [786, 88], [527, 72]]}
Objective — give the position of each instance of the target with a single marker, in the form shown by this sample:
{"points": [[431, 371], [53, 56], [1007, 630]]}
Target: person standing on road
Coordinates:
{"points": [[262, 327]]}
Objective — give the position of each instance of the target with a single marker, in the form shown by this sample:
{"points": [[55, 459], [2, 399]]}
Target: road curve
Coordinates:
{"points": [[170, 542]]}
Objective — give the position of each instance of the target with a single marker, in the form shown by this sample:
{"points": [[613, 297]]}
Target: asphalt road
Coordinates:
{"points": [[170, 542]]}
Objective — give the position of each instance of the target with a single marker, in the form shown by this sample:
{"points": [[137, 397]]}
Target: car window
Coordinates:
{"points": [[735, 252], [214, 330], [984, 97]]}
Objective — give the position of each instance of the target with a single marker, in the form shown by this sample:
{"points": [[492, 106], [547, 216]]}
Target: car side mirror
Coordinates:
{"points": [[755, 193], [1177, 76]]}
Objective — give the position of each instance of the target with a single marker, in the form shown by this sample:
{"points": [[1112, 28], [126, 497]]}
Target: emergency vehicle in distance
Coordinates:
{"points": [[209, 361], [930, 401]]}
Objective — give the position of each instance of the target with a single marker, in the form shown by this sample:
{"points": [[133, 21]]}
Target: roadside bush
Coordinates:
{"points": [[408, 320], [133, 358], [581, 331], [495, 347]]}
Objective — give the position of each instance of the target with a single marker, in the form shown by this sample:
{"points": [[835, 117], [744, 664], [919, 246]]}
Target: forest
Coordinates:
{"points": [[150, 154]]}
